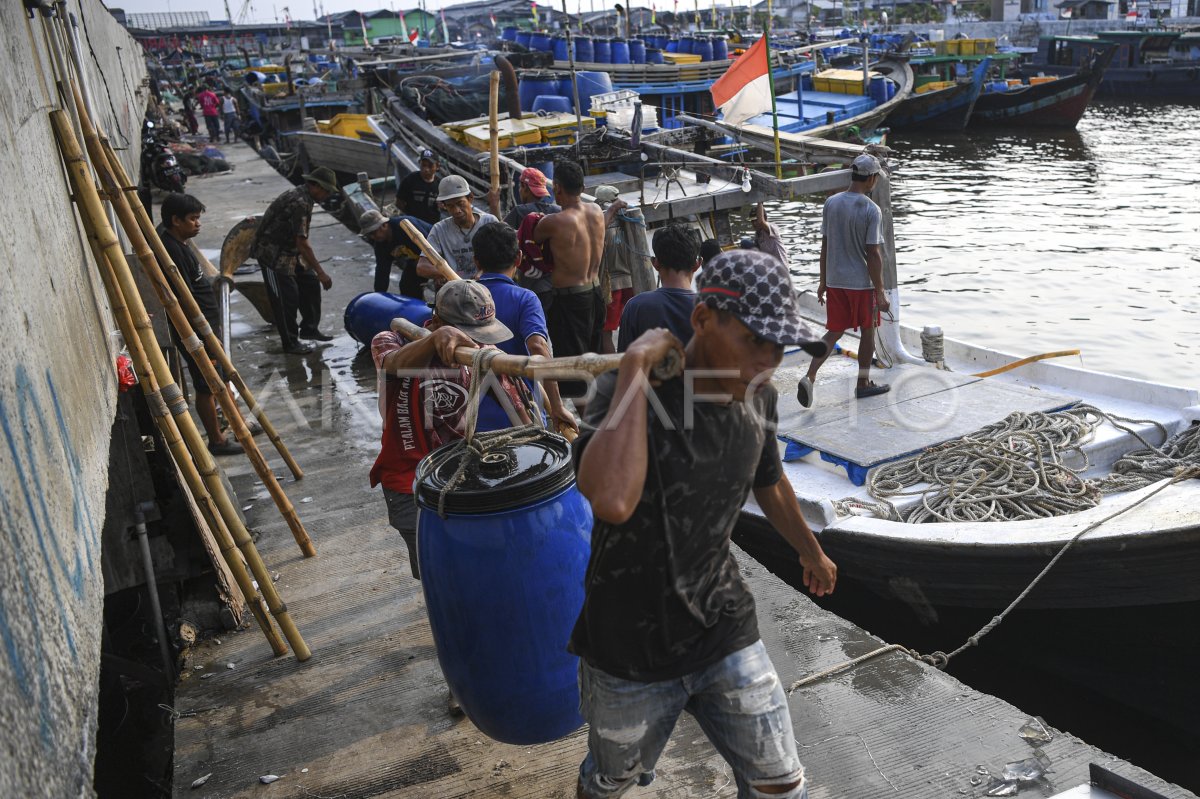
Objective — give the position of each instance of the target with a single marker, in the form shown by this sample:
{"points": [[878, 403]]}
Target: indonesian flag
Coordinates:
{"points": [[492, 17], [1065, 13], [413, 35], [744, 91]]}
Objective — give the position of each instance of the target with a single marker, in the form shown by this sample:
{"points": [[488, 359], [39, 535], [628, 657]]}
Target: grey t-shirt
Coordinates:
{"points": [[454, 244], [849, 222]]}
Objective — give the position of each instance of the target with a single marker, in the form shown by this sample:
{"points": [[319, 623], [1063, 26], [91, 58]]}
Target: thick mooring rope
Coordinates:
{"points": [[1026, 466]]}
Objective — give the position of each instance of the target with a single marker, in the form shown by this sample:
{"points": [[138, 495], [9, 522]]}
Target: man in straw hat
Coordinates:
{"points": [[291, 271], [668, 623]]}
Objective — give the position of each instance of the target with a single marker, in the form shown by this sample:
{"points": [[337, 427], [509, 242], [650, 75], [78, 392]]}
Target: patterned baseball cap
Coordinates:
{"points": [[535, 181], [757, 289], [468, 305], [427, 155]]}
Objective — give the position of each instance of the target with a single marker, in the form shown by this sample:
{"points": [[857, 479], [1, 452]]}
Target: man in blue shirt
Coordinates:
{"points": [[671, 305], [497, 256]]}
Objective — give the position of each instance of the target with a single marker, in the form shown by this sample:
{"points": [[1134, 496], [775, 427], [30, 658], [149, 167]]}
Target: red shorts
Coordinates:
{"points": [[612, 319], [850, 309]]}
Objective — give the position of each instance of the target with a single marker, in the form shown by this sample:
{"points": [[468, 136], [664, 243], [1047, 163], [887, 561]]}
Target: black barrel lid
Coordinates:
{"points": [[504, 478]]}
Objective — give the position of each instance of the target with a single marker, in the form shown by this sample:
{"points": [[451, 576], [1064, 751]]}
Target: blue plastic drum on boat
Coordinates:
{"points": [[673, 46], [877, 89], [687, 45], [373, 312], [559, 47], [554, 103], [503, 575], [540, 41], [523, 38], [583, 49], [508, 33], [535, 83], [619, 50], [703, 48], [591, 84], [602, 50], [654, 55], [720, 48], [891, 89], [637, 51]]}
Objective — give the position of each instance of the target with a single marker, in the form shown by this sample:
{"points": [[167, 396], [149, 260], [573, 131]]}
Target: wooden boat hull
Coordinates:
{"points": [[945, 110], [1058, 104], [344, 154], [1163, 82]]}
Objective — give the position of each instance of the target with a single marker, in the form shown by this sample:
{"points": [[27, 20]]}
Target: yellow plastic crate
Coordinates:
{"points": [[560, 128], [512, 133], [681, 58]]}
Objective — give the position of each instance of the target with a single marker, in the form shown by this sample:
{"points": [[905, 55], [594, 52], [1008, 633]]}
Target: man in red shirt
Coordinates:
{"points": [[210, 107], [425, 400]]}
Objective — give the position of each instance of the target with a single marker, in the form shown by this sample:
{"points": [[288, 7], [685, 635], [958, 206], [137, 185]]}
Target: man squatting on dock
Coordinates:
{"points": [[668, 624]]}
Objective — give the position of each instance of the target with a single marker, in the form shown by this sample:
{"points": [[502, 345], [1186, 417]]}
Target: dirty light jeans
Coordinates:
{"points": [[738, 702]]}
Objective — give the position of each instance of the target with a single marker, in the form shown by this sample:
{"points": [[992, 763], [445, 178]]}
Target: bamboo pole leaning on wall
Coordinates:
{"points": [[184, 294], [141, 247], [178, 449], [91, 210]]}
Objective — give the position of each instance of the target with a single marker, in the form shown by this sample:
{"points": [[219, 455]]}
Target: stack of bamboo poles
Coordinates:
{"points": [[164, 397]]}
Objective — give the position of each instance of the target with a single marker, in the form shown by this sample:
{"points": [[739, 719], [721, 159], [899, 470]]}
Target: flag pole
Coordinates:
{"points": [[771, 84]]}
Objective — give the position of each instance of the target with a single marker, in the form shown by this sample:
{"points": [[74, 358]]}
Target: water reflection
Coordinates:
{"points": [[1046, 240]]}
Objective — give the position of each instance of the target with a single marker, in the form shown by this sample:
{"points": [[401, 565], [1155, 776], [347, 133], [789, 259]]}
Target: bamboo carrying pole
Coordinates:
{"points": [[494, 129], [183, 293], [427, 250], [141, 247], [91, 210], [670, 364], [178, 449]]}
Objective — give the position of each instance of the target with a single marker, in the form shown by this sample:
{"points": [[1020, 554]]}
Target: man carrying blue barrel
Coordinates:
{"points": [[667, 623]]}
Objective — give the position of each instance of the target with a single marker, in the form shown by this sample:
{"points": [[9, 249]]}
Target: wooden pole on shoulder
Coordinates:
{"points": [[414, 235]]}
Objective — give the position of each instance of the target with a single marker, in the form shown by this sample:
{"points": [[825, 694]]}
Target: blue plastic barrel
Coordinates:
{"points": [[654, 55], [877, 89], [619, 50], [602, 50], [508, 33], [672, 46], [590, 84], [541, 41], [559, 47], [583, 50], [720, 48], [703, 48], [373, 312], [687, 45], [503, 573], [891, 89], [551, 103], [523, 38], [534, 83], [637, 51]]}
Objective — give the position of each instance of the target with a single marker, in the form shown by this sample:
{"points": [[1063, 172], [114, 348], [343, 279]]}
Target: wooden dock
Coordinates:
{"points": [[367, 717]]}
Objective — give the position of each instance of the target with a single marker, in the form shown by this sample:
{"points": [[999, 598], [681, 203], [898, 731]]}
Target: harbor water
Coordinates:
{"points": [[1033, 241]]}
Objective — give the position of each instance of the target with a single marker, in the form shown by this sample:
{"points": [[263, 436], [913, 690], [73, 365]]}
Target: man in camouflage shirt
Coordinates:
{"points": [[290, 269], [668, 624]]}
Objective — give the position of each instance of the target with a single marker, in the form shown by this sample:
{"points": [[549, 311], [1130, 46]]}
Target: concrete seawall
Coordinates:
{"points": [[57, 400]]}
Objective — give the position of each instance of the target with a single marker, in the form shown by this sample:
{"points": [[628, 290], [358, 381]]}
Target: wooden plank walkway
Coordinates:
{"points": [[366, 716]]}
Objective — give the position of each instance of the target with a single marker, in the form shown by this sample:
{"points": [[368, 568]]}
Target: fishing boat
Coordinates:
{"points": [[941, 106], [1044, 101], [345, 144], [1148, 65]]}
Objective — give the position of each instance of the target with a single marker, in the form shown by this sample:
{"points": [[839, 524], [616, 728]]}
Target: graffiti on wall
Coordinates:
{"points": [[54, 563]]}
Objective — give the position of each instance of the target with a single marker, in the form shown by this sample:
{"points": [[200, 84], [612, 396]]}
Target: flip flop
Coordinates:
{"points": [[804, 392], [871, 390]]}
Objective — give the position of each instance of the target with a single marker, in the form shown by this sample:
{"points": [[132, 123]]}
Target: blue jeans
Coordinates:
{"points": [[738, 702]]}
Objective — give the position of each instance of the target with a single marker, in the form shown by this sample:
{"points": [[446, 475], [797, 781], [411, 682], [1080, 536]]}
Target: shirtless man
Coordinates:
{"points": [[575, 240]]}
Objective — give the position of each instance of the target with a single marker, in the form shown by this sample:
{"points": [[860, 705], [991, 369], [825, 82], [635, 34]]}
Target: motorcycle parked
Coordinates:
{"points": [[160, 167]]}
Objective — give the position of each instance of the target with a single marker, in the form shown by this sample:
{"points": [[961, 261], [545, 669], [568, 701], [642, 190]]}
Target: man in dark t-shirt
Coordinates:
{"points": [[416, 193], [671, 305], [180, 222], [667, 621]]}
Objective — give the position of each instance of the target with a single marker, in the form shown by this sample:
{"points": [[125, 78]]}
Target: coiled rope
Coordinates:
{"points": [[1026, 466]]}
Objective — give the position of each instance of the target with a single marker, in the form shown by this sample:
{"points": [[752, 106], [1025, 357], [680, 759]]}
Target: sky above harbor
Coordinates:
{"points": [[268, 11]]}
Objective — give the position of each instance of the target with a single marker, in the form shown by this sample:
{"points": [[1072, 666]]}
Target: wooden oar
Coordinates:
{"points": [[670, 364], [414, 235]]}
